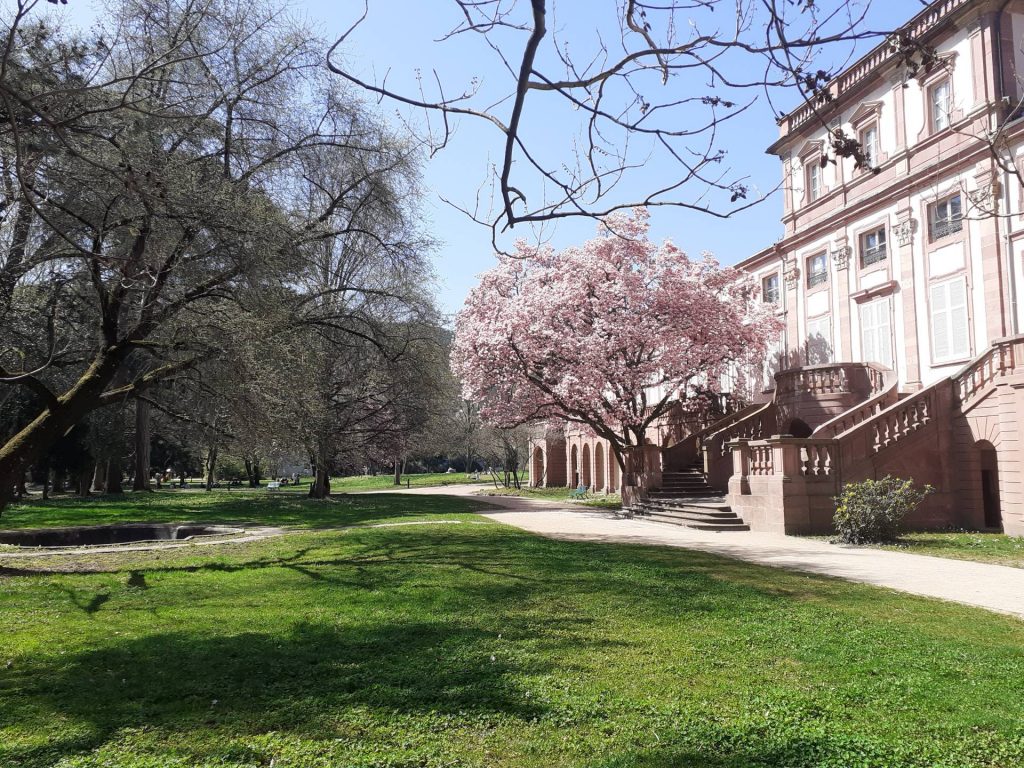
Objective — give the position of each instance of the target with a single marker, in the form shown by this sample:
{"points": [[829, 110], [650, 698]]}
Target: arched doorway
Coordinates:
{"points": [[989, 461], [586, 465], [537, 471], [613, 472], [574, 474], [599, 467], [799, 428]]}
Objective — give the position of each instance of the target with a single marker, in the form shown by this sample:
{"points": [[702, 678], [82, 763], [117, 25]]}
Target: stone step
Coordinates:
{"points": [[709, 513], [697, 523], [692, 509], [680, 494]]}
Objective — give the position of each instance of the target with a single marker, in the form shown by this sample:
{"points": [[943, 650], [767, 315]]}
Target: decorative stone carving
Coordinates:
{"points": [[841, 256], [791, 274], [981, 197], [904, 231]]}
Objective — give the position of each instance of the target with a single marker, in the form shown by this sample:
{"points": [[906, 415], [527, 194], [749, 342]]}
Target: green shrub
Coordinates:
{"points": [[872, 511]]}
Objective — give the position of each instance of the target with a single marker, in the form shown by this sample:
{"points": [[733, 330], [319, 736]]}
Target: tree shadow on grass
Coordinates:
{"points": [[301, 681], [240, 507]]}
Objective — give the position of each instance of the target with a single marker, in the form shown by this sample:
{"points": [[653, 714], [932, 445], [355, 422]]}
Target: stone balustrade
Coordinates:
{"points": [[1002, 359]]}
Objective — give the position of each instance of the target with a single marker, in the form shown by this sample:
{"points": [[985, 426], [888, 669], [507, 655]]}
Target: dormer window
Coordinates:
{"points": [[939, 104], [873, 247]]}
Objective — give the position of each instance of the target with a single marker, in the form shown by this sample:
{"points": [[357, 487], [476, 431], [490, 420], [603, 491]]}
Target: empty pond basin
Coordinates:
{"points": [[123, 533]]}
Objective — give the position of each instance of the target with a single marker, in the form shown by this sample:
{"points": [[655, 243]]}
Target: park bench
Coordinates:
{"points": [[579, 493], [273, 486]]}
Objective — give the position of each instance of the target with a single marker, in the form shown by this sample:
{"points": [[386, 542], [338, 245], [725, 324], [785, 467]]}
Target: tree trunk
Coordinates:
{"points": [[211, 467], [113, 482], [58, 481], [84, 481], [320, 488], [142, 445], [99, 477], [40, 434], [398, 471], [252, 471]]}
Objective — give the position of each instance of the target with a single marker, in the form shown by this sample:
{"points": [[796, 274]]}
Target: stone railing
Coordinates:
{"points": [[874, 59], [681, 455], [787, 457], [757, 424], [760, 422], [891, 425], [831, 379], [847, 420], [1002, 359]]}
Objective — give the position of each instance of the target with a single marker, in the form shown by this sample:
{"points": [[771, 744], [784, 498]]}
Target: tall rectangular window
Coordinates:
{"points": [[869, 145], [945, 217], [939, 104], [770, 289], [951, 338], [817, 269], [813, 179], [873, 247], [876, 333]]}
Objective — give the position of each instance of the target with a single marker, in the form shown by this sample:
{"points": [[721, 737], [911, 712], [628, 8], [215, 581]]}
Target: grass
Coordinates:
{"points": [[386, 482], [474, 644], [253, 507], [611, 501], [376, 482], [994, 548]]}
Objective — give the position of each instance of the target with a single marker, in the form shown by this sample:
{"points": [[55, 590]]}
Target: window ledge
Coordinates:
{"points": [[867, 294]]}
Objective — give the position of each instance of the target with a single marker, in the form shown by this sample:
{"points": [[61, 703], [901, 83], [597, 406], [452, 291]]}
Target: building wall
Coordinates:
{"points": [[919, 166]]}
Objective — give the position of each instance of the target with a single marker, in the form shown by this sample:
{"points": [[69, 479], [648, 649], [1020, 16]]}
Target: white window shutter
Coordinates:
{"points": [[941, 341], [960, 331], [884, 332], [869, 348]]}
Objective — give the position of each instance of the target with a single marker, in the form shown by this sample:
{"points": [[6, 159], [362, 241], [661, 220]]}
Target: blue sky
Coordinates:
{"points": [[398, 39]]}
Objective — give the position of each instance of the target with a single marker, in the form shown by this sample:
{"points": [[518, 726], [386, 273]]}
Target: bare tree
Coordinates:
{"points": [[646, 87]]}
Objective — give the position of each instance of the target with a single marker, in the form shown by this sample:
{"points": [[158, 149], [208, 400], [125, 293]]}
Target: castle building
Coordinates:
{"points": [[900, 283]]}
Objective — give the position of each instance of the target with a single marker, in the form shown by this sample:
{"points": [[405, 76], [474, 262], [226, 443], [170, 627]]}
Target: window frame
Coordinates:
{"points": [[875, 159], [815, 277], [812, 169], [936, 117], [777, 288], [869, 256], [952, 323], [950, 225]]}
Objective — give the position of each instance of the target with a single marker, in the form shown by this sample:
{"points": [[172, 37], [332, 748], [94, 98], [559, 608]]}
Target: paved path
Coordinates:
{"points": [[994, 587]]}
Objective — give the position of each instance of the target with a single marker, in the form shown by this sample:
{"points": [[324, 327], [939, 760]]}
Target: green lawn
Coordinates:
{"points": [[474, 644], [611, 501], [984, 547], [385, 482], [260, 507]]}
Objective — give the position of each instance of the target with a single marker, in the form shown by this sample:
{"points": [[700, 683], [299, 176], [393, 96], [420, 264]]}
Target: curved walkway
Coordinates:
{"points": [[994, 587]]}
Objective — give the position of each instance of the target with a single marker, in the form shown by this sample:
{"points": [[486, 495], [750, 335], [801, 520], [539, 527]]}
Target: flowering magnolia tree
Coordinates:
{"points": [[610, 334]]}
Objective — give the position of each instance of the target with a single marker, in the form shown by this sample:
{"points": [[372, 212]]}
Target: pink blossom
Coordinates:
{"points": [[607, 334]]}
